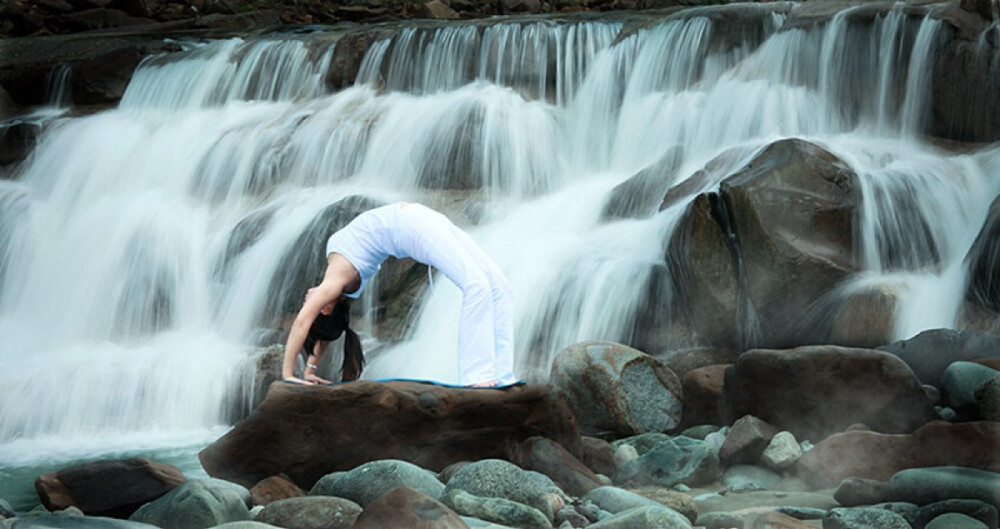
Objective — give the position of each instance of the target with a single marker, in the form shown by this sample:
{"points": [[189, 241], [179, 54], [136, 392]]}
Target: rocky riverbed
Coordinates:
{"points": [[900, 437]]}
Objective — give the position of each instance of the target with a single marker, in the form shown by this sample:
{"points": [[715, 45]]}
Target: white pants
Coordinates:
{"points": [[485, 325]]}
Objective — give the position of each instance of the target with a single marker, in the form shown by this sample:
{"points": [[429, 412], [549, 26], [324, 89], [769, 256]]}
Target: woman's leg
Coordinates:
{"points": [[431, 238]]}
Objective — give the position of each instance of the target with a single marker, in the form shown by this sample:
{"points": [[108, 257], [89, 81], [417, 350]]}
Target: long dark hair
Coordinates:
{"points": [[329, 328]]}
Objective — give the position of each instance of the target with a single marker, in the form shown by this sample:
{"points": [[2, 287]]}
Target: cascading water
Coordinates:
{"points": [[147, 248]]}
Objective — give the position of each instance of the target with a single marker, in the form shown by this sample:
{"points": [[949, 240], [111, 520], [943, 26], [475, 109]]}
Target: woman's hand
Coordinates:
{"points": [[313, 379], [297, 380]]}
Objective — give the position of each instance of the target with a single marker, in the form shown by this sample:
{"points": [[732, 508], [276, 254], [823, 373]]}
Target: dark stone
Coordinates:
{"points": [[311, 512], [640, 196], [114, 488], [931, 352], [598, 455], [367, 421], [545, 456], [815, 391], [703, 395], [274, 488], [406, 507], [746, 441], [878, 456], [980, 510], [854, 492], [929, 484], [751, 260]]}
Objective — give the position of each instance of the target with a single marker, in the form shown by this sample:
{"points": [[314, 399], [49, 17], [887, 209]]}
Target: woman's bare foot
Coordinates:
{"points": [[487, 384]]}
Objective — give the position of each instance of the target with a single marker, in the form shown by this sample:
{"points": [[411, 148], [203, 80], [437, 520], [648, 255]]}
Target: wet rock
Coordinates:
{"points": [[678, 500], [742, 478], [747, 439], [703, 394], [721, 520], [777, 520], [757, 255], [980, 511], [815, 391], [6, 511], [863, 518], [428, 425], [879, 456], [494, 478], [312, 512], [782, 452], [640, 196], [931, 352], [657, 517], [113, 488], [498, 510], [612, 387], [547, 457], [197, 503], [409, 508], [853, 492], [959, 384], [932, 484], [370, 481], [676, 460], [273, 489]]}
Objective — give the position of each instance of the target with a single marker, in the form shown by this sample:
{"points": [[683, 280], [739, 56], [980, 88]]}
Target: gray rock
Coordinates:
{"points": [[645, 518], [746, 441], [782, 452], [311, 512], [743, 478], [616, 500], [959, 384], [931, 484], [700, 431], [979, 510], [369, 481], [497, 510], [74, 522], [864, 518], [803, 513], [902, 508], [612, 387], [569, 515], [495, 478], [624, 454], [720, 520], [954, 520], [6, 510], [197, 504], [677, 460]]}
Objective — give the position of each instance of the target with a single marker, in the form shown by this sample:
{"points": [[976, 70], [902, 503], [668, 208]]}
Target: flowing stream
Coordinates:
{"points": [[130, 326]]}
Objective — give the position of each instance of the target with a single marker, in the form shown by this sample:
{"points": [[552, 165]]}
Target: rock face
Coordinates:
{"points": [[872, 455], [114, 488], [815, 391], [752, 258], [612, 387], [308, 432]]}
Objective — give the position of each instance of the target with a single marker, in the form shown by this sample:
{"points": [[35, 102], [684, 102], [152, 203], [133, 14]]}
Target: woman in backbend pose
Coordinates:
{"points": [[355, 254]]}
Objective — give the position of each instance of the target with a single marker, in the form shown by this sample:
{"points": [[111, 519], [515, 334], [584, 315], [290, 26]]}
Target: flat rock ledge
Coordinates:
{"points": [[306, 432]]}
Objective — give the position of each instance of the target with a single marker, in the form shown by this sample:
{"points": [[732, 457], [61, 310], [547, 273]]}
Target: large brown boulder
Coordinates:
{"points": [[752, 258], [307, 432], [815, 391], [410, 508], [114, 488], [878, 456]]}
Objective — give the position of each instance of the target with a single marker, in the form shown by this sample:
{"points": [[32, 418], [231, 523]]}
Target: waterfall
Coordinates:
{"points": [[147, 250]]}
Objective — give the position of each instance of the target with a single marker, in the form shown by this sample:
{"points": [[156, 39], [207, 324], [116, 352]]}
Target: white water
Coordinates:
{"points": [[125, 326]]}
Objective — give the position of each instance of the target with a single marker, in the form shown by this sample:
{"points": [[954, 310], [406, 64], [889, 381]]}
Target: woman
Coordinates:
{"points": [[355, 254]]}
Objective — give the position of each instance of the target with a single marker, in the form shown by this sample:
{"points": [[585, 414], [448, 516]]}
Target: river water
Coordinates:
{"points": [[130, 327]]}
